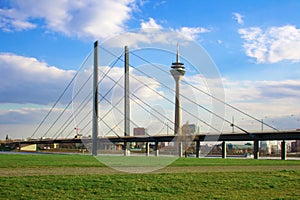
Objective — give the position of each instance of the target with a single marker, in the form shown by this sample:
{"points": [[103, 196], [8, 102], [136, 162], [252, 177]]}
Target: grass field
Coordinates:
{"points": [[83, 177]]}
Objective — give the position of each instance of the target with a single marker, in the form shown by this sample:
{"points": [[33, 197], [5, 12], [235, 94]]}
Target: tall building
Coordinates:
{"points": [[270, 147], [189, 129]]}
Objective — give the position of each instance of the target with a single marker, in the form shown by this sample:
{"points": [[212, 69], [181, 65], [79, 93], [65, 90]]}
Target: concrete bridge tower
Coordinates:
{"points": [[177, 71]]}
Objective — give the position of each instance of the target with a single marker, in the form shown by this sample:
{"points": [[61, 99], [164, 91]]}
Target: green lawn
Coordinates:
{"points": [[238, 185], [54, 160], [276, 183], [47, 160], [232, 162]]}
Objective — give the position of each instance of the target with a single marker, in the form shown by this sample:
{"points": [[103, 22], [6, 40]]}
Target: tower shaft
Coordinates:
{"points": [[177, 123]]}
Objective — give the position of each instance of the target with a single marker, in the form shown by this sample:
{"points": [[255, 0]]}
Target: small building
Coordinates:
{"points": [[295, 146], [139, 131], [28, 147]]}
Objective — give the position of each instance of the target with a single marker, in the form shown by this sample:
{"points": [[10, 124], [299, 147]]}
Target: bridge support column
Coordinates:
{"points": [[224, 153], [147, 149], [283, 150], [95, 102], [156, 150], [256, 149], [197, 149], [180, 149], [126, 149], [127, 94]]}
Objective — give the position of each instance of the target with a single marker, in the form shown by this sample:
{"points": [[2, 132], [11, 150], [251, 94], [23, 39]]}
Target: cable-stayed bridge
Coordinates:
{"points": [[110, 95]]}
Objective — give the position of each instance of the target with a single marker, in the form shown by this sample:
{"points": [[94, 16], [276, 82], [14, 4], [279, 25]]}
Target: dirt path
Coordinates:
{"points": [[6, 172]]}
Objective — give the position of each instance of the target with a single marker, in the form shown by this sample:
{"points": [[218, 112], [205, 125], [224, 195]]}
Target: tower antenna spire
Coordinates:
{"points": [[177, 54]]}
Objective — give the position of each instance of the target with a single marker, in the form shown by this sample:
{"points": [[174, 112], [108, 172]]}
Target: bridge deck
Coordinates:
{"points": [[258, 136]]}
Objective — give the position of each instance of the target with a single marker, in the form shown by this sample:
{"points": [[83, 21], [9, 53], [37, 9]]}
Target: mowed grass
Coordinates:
{"points": [[273, 184], [47, 160], [63, 160], [238, 185]]}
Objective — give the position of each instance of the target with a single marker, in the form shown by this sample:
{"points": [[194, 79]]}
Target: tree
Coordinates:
{"points": [[6, 137]]}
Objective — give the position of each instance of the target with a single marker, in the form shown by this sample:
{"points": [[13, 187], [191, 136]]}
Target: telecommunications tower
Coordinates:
{"points": [[177, 71]]}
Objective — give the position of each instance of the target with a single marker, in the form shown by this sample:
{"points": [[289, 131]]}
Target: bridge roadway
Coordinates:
{"points": [[225, 137], [257, 136]]}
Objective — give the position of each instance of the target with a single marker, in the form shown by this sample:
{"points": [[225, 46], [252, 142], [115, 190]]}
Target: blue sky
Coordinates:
{"points": [[254, 44]]}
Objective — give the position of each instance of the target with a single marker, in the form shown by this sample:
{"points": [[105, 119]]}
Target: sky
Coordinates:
{"points": [[255, 46]]}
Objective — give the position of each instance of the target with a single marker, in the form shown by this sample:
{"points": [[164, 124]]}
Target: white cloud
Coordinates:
{"points": [[262, 90], [11, 19], [274, 100], [159, 3], [150, 24], [280, 89], [238, 17], [189, 33], [192, 32], [22, 115], [268, 100], [272, 45], [152, 33], [27, 80], [83, 19], [264, 97], [260, 99], [24, 120], [93, 18]]}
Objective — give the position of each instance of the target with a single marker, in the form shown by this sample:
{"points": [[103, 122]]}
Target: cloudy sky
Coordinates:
{"points": [[254, 44]]}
